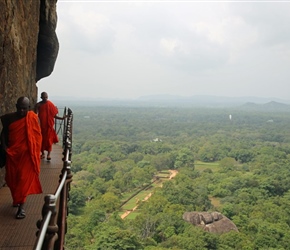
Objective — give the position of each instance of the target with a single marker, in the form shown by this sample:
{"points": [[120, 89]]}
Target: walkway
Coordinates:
{"points": [[20, 234]]}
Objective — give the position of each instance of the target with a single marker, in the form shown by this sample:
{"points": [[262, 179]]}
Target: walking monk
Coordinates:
{"points": [[47, 112], [21, 139]]}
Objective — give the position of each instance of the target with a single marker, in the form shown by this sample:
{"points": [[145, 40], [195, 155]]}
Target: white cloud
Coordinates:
{"points": [[171, 46], [131, 49]]}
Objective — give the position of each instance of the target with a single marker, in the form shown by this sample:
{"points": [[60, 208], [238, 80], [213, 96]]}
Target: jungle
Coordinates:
{"points": [[228, 160]]}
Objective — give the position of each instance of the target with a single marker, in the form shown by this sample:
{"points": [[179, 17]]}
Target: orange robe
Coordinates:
{"points": [[46, 113], [22, 158]]}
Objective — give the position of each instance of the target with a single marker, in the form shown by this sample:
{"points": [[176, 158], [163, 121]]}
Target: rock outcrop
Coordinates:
{"points": [[47, 46], [213, 222], [28, 49]]}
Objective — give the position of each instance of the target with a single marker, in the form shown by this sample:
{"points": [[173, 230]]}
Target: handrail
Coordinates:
{"points": [[43, 232], [59, 123], [61, 184], [52, 226]]}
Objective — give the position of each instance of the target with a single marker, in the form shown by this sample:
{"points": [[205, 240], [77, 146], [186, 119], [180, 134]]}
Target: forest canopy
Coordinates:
{"points": [[232, 161]]}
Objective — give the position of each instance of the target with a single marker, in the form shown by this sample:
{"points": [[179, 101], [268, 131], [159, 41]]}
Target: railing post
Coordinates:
{"points": [[51, 234], [64, 128], [64, 198]]}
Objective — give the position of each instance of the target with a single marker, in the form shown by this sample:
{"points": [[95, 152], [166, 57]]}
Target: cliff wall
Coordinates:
{"points": [[28, 50]]}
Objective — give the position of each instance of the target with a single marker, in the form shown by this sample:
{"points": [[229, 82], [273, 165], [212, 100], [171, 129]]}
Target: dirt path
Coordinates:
{"points": [[173, 173]]}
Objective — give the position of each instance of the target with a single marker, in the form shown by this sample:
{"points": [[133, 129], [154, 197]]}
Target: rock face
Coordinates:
{"points": [[211, 222], [47, 46], [28, 49]]}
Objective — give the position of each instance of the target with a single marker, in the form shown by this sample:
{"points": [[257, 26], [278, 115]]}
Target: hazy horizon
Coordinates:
{"points": [[130, 49], [169, 97]]}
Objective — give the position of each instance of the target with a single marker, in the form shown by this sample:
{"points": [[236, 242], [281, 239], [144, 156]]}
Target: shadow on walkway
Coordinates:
{"points": [[21, 234]]}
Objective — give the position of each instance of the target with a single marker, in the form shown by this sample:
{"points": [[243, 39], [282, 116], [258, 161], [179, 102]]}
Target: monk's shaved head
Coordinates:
{"points": [[23, 101], [22, 105], [44, 96]]}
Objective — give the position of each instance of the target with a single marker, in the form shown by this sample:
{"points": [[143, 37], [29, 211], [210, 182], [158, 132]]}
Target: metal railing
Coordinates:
{"points": [[59, 124], [52, 227]]}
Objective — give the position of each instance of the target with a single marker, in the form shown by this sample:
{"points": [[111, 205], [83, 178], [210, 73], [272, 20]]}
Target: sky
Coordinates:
{"points": [[129, 49]]}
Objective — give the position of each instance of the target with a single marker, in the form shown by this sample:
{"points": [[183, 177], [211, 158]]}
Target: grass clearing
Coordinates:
{"points": [[163, 175], [215, 202], [132, 215], [126, 195], [141, 196], [201, 166], [136, 199], [130, 204]]}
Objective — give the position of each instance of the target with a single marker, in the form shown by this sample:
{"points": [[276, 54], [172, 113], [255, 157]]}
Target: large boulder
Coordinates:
{"points": [[213, 222], [47, 46]]}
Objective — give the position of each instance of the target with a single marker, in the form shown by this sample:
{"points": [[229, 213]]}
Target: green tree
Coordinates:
{"points": [[110, 202], [184, 158], [115, 238], [77, 201]]}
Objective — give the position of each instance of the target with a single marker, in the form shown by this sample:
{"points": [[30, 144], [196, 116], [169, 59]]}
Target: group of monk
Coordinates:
{"points": [[25, 137]]}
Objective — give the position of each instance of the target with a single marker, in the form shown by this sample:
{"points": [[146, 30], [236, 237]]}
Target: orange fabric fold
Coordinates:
{"points": [[23, 158], [46, 113]]}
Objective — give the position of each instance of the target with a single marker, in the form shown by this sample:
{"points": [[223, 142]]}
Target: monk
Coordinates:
{"points": [[47, 112], [21, 139]]}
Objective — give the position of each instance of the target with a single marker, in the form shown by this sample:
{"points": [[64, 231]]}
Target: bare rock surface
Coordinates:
{"points": [[213, 222], [28, 50]]}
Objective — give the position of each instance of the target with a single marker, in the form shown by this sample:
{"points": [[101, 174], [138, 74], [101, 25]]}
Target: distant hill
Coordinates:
{"points": [[208, 99], [269, 106], [250, 103]]}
